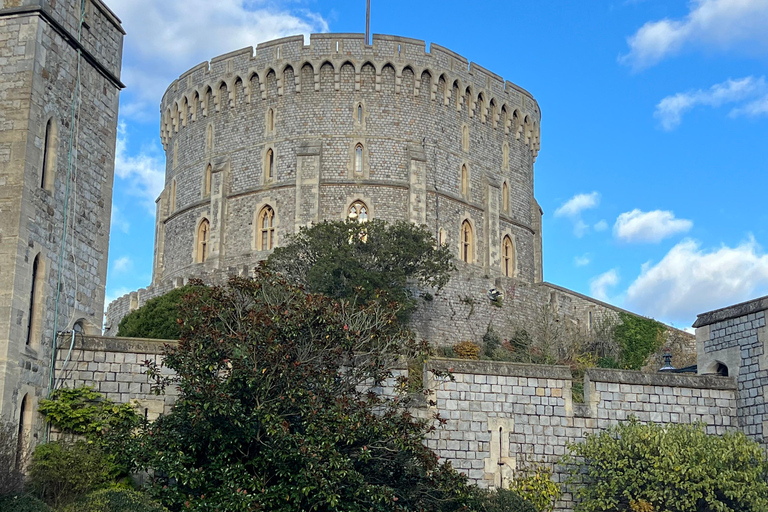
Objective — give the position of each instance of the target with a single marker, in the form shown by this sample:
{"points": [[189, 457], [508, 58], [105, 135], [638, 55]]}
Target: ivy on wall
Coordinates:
{"points": [[638, 338]]}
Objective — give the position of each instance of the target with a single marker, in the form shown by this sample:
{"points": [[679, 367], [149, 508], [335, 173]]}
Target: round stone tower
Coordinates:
{"points": [[261, 143]]}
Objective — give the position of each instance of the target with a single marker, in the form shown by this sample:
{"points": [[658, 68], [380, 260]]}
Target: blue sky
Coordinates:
{"points": [[653, 170]]}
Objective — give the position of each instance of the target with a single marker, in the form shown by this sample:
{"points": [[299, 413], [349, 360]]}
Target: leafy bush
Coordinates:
{"points": [[672, 468], [23, 503], [374, 260], [500, 500], [637, 338], [85, 412], [274, 412], [534, 484], [11, 477], [115, 500], [61, 472], [157, 319], [467, 350]]}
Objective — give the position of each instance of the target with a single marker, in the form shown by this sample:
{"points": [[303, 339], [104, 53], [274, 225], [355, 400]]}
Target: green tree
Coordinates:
{"points": [[638, 338], [278, 409], [672, 468], [346, 259], [157, 319]]}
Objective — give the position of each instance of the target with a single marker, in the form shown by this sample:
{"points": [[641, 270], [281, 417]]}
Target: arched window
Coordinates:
{"points": [[505, 198], [359, 159], [203, 237], [78, 327], [207, 181], [50, 144], [465, 138], [270, 121], [508, 257], [34, 299], [359, 112], [25, 427], [466, 242], [464, 181], [266, 226], [358, 211], [270, 163]]}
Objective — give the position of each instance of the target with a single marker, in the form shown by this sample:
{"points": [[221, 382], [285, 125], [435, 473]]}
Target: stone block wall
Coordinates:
{"points": [[731, 341], [499, 416]]}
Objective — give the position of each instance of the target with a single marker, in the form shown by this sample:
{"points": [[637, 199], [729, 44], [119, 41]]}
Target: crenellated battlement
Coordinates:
{"points": [[453, 81]]}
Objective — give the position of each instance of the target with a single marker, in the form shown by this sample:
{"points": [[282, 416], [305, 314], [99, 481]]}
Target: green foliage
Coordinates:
{"points": [[85, 412], [11, 477], [157, 319], [672, 468], [61, 472], [638, 338], [534, 484], [373, 261], [273, 412], [500, 500], [115, 500], [22, 503]]}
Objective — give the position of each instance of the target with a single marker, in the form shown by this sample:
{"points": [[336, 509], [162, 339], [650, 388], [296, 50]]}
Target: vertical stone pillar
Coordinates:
{"points": [[538, 262], [492, 256], [307, 184], [161, 213], [417, 175], [219, 183]]}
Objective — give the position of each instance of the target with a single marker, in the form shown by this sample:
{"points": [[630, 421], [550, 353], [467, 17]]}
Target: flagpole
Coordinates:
{"points": [[368, 23]]}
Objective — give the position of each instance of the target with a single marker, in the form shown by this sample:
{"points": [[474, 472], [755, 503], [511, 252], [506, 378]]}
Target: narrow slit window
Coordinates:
{"points": [[359, 113], [270, 164], [271, 121], [464, 181], [466, 242], [208, 180], [359, 159], [50, 143], [32, 314], [505, 198], [203, 234], [508, 252]]}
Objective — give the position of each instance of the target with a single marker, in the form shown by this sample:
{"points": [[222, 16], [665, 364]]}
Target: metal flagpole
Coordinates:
{"points": [[368, 23]]}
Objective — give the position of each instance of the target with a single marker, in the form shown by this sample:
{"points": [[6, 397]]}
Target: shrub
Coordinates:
{"points": [[61, 472], [85, 412], [11, 478], [673, 468], [501, 500], [25, 503], [115, 500], [157, 319], [534, 484], [467, 350]]}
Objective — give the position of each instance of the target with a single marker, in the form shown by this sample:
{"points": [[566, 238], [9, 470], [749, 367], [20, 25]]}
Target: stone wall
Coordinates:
{"points": [[499, 416], [54, 219], [731, 341], [419, 116]]}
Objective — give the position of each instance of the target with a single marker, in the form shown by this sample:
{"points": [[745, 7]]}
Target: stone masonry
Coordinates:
{"points": [[51, 212], [731, 341], [499, 416]]}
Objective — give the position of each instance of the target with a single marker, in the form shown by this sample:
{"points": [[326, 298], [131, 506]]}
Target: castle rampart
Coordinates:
{"points": [[499, 416]]}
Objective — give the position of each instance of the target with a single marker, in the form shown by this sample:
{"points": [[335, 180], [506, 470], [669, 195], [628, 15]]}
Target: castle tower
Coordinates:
{"points": [[59, 85]]}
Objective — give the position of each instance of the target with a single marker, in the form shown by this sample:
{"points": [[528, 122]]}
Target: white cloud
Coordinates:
{"points": [[719, 24], [758, 107], [582, 261], [670, 110], [601, 226], [169, 37], [689, 281], [578, 203], [599, 285], [122, 264], [573, 208], [654, 226], [143, 173]]}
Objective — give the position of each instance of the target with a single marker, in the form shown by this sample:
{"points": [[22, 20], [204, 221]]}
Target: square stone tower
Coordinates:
{"points": [[59, 86]]}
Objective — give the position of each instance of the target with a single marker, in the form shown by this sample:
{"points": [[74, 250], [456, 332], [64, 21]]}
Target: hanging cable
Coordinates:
{"points": [[72, 124]]}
